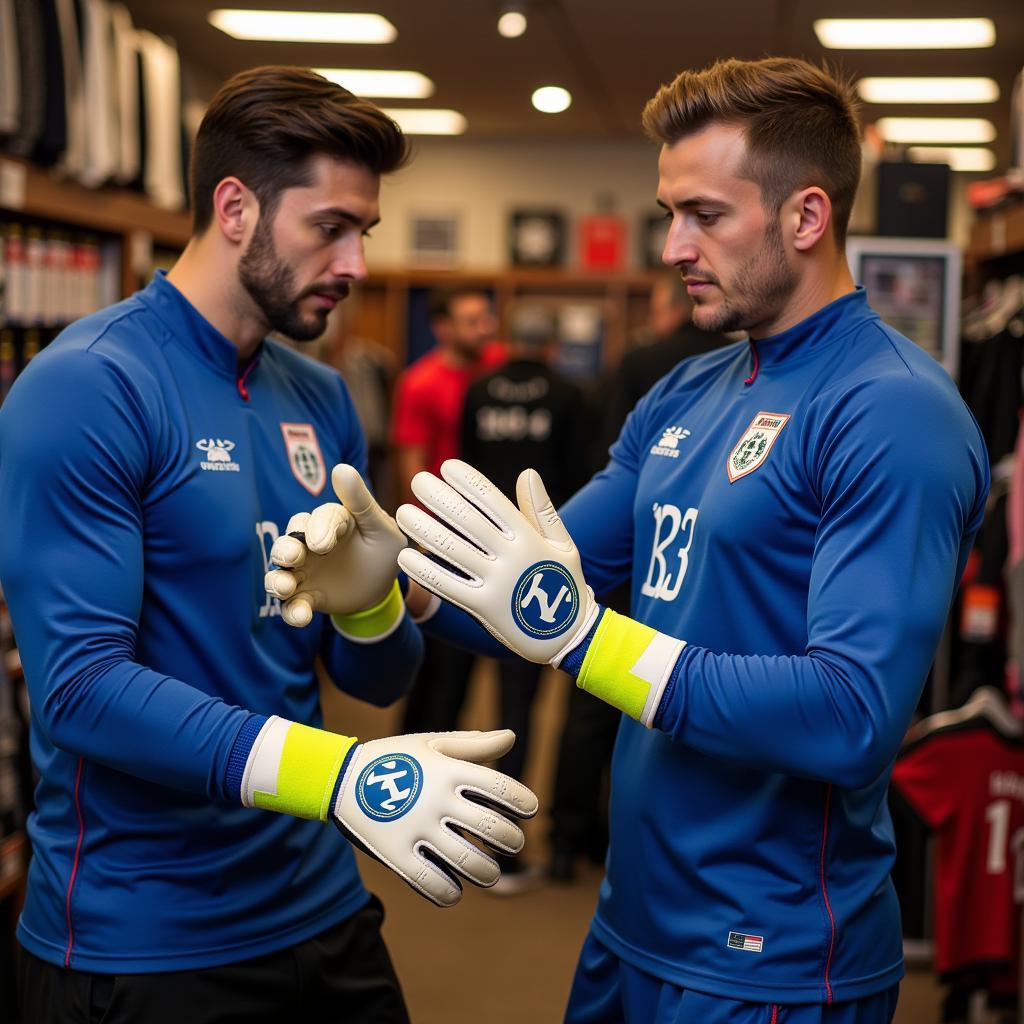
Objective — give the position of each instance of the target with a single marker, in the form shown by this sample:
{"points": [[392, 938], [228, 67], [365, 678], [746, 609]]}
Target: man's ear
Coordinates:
{"points": [[234, 207], [810, 215]]}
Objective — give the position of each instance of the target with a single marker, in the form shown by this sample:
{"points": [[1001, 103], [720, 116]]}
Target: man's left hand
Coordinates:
{"points": [[339, 558]]}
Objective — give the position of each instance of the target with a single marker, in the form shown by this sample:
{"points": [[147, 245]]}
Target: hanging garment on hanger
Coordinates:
{"points": [[962, 771], [126, 93]]}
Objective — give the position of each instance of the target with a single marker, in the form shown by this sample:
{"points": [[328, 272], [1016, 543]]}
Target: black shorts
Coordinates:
{"points": [[342, 976]]}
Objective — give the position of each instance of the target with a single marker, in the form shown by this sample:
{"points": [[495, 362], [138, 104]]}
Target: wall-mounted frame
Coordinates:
{"points": [[914, 286]]}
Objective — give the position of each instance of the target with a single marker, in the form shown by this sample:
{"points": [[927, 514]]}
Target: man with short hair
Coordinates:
{"points": [[795, 511], [151, 460], [426, 430]]}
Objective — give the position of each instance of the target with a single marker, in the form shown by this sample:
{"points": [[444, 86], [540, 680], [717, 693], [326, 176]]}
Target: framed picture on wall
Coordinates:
{"points": [[914, 286], [653, 232], [536, 238], [434, 239]]}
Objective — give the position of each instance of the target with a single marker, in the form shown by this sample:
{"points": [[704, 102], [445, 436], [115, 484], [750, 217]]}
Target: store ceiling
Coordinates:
{"points": [[611, 54]]}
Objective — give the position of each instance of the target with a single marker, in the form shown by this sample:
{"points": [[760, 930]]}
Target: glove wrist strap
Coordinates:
{"points": [[628, 665], [373, 624], [293, 768]]}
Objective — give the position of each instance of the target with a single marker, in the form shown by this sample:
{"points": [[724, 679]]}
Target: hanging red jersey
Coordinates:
{"points": [[966, 781]]}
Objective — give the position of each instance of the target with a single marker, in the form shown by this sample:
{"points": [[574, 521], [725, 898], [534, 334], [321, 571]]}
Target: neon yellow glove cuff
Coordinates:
{"points": [[628, 665], [293, 768], [373, 624]]}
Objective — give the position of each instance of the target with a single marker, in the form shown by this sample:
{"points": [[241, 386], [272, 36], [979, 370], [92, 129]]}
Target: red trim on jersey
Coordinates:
{"points": [[824, 892], [757, 362], [74, 867], [775, 1014]]}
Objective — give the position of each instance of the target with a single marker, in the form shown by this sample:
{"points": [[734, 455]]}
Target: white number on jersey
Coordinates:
{"points": [[669, 523]]}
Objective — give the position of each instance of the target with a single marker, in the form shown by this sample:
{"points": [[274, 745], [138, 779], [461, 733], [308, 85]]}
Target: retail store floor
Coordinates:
{"points": [[506, 960]]}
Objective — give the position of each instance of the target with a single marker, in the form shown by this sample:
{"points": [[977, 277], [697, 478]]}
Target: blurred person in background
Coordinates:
{"points": [[525, 414], [426, 429]]}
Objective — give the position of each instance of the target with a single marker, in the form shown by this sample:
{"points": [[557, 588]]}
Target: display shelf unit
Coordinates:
{"points": [[28, 191], [384, 300]]}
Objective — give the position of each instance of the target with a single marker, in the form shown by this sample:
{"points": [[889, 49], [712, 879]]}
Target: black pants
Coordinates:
{"points": [[518, 685], [342, 976], [579, 810], [440, 689]]}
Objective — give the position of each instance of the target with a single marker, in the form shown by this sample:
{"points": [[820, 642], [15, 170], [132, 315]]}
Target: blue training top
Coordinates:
{"points": [[799, 510], [142, 483]]}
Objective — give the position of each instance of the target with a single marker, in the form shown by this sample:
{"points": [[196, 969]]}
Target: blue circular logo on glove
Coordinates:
{"points": [[545, 600], [388, 786]]}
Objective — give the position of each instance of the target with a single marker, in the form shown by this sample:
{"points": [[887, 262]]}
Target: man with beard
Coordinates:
{"points": [[150, 460], [794, 512]]}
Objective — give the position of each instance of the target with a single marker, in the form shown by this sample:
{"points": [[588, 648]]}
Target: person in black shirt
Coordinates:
{"points": [[525, 415]]}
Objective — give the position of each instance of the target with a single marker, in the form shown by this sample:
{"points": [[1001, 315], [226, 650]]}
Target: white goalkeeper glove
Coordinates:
{"points": [[340, 559], [522, 577], [404, 800]]}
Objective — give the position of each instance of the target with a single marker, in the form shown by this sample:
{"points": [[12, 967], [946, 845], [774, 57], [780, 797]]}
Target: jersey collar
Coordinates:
{"points": [[819, 330], [190, 328]]}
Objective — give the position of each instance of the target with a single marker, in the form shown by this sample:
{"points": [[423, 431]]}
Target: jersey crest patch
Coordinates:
{"points": [[753, 447], [304, 456]]}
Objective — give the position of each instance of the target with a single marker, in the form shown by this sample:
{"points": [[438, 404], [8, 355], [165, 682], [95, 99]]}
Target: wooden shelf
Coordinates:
{"points": [[30, 190]]}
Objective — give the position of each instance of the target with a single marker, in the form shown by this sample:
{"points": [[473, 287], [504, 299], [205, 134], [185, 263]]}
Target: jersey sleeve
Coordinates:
{"points": [[902, 475], [77, 445], [921, 777]]}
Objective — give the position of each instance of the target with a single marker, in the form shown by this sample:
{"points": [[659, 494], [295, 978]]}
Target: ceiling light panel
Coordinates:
{"points": [[425, 121], [551, 99], [968, 158], [406, 85], [512, 24], [936, 129], [928, 90], [303, 26], [904, 33]]}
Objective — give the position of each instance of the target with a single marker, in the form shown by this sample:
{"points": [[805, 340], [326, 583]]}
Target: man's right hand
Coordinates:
{"points": [[409, 801]]}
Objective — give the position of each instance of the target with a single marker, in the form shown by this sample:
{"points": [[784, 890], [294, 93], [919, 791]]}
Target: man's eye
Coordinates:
{"points": [[707, 219], [329, 231]]}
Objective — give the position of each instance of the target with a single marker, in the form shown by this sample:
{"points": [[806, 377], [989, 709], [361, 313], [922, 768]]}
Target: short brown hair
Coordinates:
{"points": [[800, 124], [264, 124], [441, 301]]}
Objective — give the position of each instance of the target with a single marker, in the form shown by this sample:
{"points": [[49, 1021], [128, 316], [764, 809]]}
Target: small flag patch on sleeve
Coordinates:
{"points": [[750, 943]]}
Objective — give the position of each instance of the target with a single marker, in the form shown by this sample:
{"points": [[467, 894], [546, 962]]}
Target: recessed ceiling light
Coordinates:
{"points": [[408, 85], [936, 129], [551, 99], [303, 26], [904, 33], [425, 121], [966, 159], [928, 90], [512, 24]]}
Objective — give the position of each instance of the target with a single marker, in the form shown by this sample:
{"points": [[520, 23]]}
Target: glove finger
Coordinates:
{"points": [[473, 745], [502, 791], [445, 502], [298, 611], [535, 504], [297, 523], [282, 583], [463, 857], [444, 542], [288, 552], [476, 488], [493, 828], [328, 524]]}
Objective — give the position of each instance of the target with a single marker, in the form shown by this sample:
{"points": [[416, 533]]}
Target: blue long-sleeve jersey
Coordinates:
{"points": [[142, 483], [799, 511]]}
